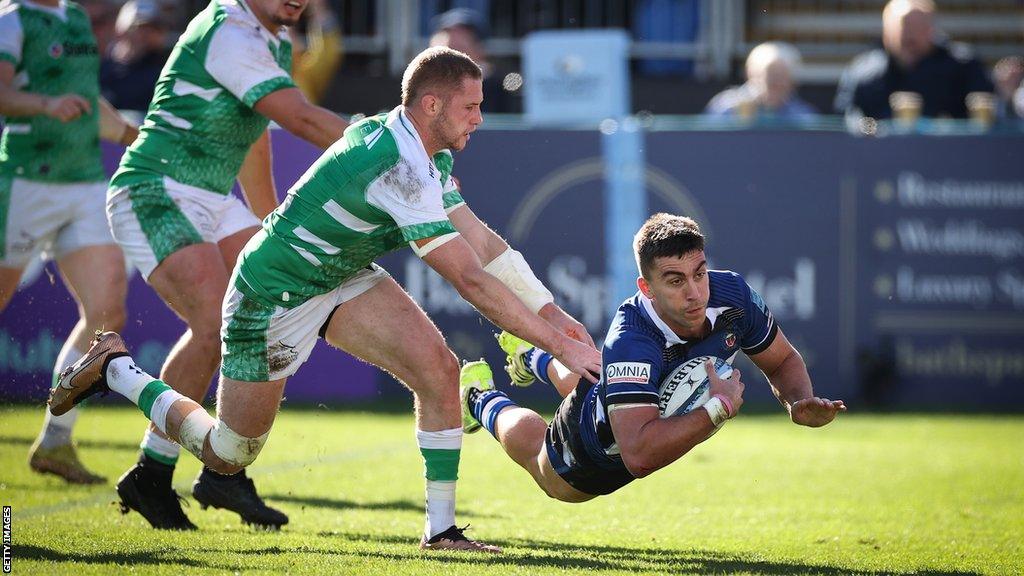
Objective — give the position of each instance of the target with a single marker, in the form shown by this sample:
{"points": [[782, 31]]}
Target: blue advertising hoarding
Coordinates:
{"points": [[894, 265]]}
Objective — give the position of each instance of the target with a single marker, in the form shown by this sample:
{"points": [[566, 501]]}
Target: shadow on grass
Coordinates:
{"points": [[147, 557], [528, 552], [98, 444], [338, 504]]}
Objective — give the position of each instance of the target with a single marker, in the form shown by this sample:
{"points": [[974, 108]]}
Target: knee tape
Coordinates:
{"points": [[193, 431], [234, 448]]}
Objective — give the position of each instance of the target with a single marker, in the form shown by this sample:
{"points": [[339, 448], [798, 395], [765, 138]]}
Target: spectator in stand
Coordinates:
{"points": [[465, 29], [316, 55], [914, 58], [102, 14], [1009, 80], [129, 71], [770, 90]]}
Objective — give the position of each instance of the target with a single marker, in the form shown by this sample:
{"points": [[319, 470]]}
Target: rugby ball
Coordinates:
{"points": [[687, 387]]}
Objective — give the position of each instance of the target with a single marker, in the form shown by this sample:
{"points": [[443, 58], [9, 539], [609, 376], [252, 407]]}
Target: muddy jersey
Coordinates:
{"points": [[372, 192]]}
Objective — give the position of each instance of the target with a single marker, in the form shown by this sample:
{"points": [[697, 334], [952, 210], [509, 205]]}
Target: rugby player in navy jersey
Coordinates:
{"points": [[606, 434]]}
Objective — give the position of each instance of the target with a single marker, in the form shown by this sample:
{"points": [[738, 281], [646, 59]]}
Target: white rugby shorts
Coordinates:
{"points": [[55, 218], [155, 218]]}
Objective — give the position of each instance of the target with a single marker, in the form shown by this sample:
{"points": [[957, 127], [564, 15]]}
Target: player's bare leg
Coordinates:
{"points": [[192, 281], [404, 342], [248, 406], [95, 277], [520, 431]]}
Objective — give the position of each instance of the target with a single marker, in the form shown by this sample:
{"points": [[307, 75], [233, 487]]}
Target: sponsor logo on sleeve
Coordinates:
{"points": [[628, 372]]}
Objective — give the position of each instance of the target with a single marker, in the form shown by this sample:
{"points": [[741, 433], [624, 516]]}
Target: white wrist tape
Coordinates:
{"points": [[427, 248], [716, 409], [511, 268]]}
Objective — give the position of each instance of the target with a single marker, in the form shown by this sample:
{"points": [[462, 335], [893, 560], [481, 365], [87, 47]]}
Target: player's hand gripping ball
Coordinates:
{"points": [[688, 387]]}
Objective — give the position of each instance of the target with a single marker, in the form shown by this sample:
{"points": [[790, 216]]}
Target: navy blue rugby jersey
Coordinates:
{"points": [[640, 350]]}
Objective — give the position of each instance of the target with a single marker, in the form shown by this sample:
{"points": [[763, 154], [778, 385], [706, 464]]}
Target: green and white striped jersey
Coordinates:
{"points": [[371, 193], [201, 124], [54, 52]]}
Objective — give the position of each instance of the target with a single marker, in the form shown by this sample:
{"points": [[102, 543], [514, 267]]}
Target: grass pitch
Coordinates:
{"points": [[866, 495]]}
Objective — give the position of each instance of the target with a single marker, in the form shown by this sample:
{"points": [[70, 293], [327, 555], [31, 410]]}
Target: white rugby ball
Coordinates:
{"points": [[687, 387]]}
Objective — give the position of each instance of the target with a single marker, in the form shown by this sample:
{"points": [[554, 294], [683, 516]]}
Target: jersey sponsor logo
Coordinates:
{"points": [[730, 340], [82, 49], [628, 372], [56, 50]]}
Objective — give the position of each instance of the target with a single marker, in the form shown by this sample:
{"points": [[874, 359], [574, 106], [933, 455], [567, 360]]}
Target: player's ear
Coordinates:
{"points": [[431, 104], [645, 287]]}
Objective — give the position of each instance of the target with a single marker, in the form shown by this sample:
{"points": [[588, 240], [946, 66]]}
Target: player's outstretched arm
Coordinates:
{"points": [[787, 374], [457, 263], [647, 442], [257, 178], [17, 103], [293, 112], [114, 127], [494, 253]]}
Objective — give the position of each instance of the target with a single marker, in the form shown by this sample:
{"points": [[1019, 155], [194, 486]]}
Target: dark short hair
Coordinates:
{"points": [[665, 235], [438, 68]]}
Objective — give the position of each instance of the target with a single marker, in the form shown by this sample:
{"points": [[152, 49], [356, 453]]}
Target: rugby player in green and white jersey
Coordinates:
{"points": [[171, 209], [310, 272], [52, 185]]}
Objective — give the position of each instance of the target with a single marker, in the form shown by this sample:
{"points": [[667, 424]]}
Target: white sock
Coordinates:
{"points": [[127, 379], [159, 448], [440, 507], [57, 429], [440, 450]]}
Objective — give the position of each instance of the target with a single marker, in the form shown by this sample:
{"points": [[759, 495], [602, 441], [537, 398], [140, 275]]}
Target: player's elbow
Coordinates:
{"points": [[301, 122], [469, 281], [638, 464]]}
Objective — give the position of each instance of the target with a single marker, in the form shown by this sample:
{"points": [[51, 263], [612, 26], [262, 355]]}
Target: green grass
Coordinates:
{"points": [[867, 495]]}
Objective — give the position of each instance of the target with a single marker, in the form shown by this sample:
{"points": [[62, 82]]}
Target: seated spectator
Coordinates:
{"points": [[317, 54], [1009, 80], [464, 29], [129, 71], [770, 90], [102, 15], [913, 59]]}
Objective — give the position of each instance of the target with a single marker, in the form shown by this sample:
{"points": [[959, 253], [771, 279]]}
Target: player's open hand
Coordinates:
{"points": [[815, 412], [581, 359], [67, 107]]}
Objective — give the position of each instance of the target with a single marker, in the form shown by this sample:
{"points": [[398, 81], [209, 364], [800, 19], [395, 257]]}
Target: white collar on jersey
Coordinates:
{"points": [[400, 116], [60, 10], [671, 338]]}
